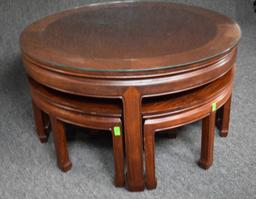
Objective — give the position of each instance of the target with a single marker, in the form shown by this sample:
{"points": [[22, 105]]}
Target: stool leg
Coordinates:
{"points": [[172, 134], [225, 118], [207, 141], [219, 114], [39, 122], [60, 143], [149, 147], [118, 150]]}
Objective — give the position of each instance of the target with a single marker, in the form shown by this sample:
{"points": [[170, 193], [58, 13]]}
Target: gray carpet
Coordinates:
{"points": [[28, 168]]}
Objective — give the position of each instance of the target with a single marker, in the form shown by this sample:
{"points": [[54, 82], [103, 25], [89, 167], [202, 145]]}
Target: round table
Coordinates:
{"points": [[130, 50]]}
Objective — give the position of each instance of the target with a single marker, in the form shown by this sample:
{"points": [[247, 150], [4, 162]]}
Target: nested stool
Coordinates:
{"points": [[85, 112], [184, 108]]}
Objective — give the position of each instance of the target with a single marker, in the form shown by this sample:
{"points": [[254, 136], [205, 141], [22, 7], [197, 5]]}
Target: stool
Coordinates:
{"points": [[184, 108], [91, 113]]}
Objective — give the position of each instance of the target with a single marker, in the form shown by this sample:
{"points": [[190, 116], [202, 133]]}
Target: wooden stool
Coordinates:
{"points": [[184, 108], [80, 111]]}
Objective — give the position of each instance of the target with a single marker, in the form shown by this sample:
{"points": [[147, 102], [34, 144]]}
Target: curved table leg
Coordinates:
{"points": [[207, 141], [133, 139], [60, 143], [40, 124]]}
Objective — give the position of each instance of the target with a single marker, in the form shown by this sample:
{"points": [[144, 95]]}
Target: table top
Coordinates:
{"points": [[129, 37]]}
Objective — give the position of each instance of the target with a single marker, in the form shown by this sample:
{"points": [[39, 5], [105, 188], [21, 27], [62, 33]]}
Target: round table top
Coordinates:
{"points": [[123, 37]]}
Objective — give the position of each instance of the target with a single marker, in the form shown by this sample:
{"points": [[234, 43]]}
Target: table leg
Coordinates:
{"points": [[133, 139]]}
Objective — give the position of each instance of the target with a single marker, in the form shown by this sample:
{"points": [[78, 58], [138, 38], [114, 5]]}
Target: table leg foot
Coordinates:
{"points": [[65, 167], [151, 185], [136, 187], [204, 164]]}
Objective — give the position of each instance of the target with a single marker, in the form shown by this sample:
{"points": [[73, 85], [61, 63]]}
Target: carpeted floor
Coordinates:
{"points": [[28, 168]]}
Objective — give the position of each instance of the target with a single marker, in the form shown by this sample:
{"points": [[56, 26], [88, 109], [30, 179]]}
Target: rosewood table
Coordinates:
{"points": [[130, 50]]}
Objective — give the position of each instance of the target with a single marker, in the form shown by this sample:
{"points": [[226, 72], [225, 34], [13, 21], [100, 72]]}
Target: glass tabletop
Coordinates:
{"points": [[129, 37]]}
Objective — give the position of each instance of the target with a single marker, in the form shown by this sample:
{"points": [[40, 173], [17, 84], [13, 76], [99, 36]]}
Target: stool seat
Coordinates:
{"points": [[92, 106], [187, 100]]}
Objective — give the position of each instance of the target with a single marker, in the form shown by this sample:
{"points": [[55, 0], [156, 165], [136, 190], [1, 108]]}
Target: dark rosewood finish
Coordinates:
{"points": [[185, 108], [120, 89], [67, 109], [159, 114], [121, 49], [133, 37]]}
